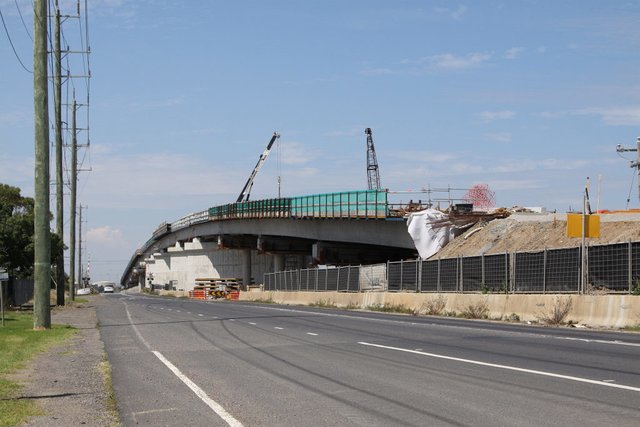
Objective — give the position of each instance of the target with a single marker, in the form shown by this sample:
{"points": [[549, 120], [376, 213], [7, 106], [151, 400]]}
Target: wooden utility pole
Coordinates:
{"points": [[72, 203], [80, 282], [57, 92], [42, 233]]}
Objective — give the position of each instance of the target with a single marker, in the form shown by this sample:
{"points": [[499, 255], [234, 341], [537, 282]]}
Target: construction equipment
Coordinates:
{"points": [[373, 174], [246, 191]]}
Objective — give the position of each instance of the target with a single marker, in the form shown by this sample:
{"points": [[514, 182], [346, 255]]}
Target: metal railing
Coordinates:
{"points": [[613, 268]]}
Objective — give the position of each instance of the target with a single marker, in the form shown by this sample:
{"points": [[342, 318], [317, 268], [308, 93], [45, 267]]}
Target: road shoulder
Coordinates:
{"points": [[71, 382]]}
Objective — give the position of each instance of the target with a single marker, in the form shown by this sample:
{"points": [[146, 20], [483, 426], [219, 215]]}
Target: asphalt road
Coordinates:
{"points": [[178, 362]]}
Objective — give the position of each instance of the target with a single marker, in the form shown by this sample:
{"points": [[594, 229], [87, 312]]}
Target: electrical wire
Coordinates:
{"points": [[22, 19], [12, 46], [633, 177]]}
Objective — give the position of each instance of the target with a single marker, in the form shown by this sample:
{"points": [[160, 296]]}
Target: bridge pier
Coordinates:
{"points": [[278, 262], [246, 268]]}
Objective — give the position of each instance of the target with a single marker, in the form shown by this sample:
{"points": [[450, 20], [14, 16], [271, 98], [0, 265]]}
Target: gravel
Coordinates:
{"points": [[67, 381]]}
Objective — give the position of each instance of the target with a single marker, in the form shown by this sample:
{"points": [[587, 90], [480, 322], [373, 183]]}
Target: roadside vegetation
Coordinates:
{"points": [[557, 314], [391, 308], [19, 343]]}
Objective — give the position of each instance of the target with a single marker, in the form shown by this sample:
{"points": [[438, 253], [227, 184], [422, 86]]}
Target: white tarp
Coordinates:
{"points": [[430, 231]]}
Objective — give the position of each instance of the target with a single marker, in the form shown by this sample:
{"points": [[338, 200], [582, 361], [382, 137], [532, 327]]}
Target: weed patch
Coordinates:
{"points": [[323, 303], [558, 312], [478, 310], [391, 308], [434, 306]]}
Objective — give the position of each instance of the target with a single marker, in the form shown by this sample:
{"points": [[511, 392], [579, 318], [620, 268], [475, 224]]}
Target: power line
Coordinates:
{"points": [[11, 43], [22, 19]]}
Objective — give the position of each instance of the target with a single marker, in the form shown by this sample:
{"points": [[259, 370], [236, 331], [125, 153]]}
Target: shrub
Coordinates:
{"points": [[558, 312], [434, 306], [478, 310]]}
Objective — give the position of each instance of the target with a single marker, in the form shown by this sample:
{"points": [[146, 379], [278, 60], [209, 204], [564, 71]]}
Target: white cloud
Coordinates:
{"points": [[450, 61], [421, 156], [504, 137], [105, 236], [295, 153], [455, 14], [615, 116], [513, 53], [489, 116]]}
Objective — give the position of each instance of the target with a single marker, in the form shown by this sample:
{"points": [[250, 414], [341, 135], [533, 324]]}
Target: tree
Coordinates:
{"points": [[16, 233]]}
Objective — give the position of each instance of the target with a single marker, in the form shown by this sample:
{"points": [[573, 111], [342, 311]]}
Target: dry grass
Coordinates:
{"points": [[434, 306], [558, 312], [478, 310]]}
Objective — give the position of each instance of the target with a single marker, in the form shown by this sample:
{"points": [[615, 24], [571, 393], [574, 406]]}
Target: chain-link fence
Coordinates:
{"points": [[611, 268]]}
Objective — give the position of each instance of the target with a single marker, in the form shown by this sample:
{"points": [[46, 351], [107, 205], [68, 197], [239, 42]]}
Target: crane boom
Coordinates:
{"points": [[373, 174], [246, 190]]}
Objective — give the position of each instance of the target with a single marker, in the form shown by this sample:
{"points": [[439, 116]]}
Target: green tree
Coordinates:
{"points": [[16, 233]]}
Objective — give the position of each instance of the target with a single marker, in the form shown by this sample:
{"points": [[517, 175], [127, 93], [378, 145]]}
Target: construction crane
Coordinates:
{"points": [[246, 191], [373, 174]]}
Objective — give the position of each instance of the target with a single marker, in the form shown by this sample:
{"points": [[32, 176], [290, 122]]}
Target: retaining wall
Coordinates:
{"points": [[614, 311]]}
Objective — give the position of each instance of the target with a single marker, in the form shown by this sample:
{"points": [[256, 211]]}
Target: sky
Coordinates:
{"points": [[529, 97]]}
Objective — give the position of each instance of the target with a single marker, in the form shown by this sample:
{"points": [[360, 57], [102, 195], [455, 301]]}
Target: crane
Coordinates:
{"points": [[246, 191], [373, 174]]}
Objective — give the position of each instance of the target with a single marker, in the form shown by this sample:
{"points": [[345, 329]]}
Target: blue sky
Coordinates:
{"points": [[530, 97]]}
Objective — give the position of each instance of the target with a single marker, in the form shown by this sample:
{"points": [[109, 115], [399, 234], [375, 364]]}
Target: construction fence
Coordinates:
{"points": [[611, 268]]}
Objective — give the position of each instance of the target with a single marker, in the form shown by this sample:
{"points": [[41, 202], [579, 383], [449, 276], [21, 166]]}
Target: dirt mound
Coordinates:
{"points": [[534, 233]]}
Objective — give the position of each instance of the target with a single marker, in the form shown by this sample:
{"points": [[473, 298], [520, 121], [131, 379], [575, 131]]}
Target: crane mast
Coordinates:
{"points": [[373, 174], [246, 190]]}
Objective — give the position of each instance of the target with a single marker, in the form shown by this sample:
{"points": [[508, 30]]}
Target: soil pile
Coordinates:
{"points": [[535, 232]]}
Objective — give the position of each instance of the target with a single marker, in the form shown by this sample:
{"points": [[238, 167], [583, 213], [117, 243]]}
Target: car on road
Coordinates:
{"points": [[108, 289]]}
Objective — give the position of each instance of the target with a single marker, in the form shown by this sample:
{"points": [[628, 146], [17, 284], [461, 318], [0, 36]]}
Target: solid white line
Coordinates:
{"points": [[510, 368], [630, 344], [311, 333], [215, 406], [222, 413]]}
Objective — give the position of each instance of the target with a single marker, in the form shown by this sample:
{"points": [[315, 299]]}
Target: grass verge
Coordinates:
{"points": [[19, 343], [105, 370]]}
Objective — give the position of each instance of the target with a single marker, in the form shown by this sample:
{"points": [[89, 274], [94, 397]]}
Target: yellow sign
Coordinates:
{"points": [[591, 225]]}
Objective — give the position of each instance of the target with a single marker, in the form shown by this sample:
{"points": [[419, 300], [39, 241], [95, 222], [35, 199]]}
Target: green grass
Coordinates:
{"points": [[19, 343]]}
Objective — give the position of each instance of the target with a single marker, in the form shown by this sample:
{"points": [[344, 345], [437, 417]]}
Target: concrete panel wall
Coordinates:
{"points": [[613, 311]]}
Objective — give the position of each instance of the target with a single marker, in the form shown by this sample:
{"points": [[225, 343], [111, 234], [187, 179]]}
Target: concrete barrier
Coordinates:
{"points": [[612, 311]]}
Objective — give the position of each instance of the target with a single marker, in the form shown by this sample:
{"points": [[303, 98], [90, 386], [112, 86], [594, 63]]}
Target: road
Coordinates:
{"points": [[182, 362]]}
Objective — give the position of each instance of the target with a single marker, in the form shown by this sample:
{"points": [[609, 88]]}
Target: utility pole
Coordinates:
{"points": [[72, 203], [59, 177], [636, 164], [42, 232], [80, 281]]}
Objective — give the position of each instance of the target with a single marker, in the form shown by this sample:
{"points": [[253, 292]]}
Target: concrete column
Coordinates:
{"points": [[300, 261], [246, 268], [278, 262]]}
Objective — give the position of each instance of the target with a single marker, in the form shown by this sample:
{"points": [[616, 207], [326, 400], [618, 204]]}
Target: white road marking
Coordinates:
{"points": [[200, 314], [616, 342], [177, 311], [506, 367], [311, 333], [252, 323], [439, 325], [277, 327], [215, 406]]}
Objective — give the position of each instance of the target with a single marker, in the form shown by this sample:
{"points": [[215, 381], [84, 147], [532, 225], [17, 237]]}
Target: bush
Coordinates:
{"points": [[435, 306], [478, 310], [558, 312], [390, 308]]}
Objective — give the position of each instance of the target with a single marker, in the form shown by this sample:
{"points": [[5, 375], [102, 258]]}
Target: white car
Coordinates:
{"points": [[108, 289]]}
